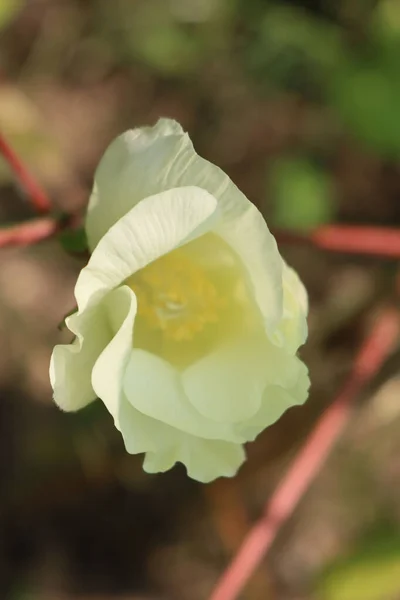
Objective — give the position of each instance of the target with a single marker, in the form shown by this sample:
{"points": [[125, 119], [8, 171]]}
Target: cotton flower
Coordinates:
{"points": [[188, 320]]}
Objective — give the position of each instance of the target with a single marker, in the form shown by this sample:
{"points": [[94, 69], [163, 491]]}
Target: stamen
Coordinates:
{"points": [[176, 295], [191, 300]]}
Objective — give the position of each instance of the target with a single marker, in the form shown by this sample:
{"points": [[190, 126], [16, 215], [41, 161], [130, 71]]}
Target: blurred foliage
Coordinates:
{"points": [[74, 241], [172, 37], [342, 57], [291, 49], [302, 194], [366, 89], [8, 10], [370, 573]]}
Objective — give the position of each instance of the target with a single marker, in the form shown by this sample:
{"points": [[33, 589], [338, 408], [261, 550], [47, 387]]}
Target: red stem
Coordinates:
{"points": [[309, 460], [377, 241], [30, 232], [35, 193]]}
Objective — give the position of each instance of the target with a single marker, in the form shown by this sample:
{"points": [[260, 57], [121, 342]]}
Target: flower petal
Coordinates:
{"points": [[108, 371], [142, 433], [205, 460], [161, 461], [228, 385], [152, 228], [277, 400], [250, 238], [127, 173], [146, 161], [71, 364], [293, 327], [154, 388]]}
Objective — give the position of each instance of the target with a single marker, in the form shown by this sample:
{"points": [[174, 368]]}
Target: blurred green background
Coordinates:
{"points": [[299, 101]]}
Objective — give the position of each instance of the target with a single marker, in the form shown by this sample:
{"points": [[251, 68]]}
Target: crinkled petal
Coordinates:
{"points": [[228, 385], [277, 400], [108, 371], [155, 388], [71, 364], [129, 171], [293, 327], [205, 460], [160, 461], [146, 161], [149, 230], [142, 433], [251, 240]]}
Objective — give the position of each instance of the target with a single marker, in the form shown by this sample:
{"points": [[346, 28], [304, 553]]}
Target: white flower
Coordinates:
{"points": [[188, 319]]}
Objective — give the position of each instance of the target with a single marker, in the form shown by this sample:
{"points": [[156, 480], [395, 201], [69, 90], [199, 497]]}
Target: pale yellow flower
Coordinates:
{"points": [[188, 319]]}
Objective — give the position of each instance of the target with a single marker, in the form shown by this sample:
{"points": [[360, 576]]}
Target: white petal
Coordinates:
{"points": [[152, 228], [108, 371], [277, 400], [142, 433], [161, 461], [293, 327], [147, 161], [249, 236], [128, 172], [205, 460], [228, 385], [154, 388], [71, 365]]}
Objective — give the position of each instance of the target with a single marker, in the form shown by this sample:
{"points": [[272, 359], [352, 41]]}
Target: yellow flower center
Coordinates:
{"points": [[176, 296], [191, 299]]}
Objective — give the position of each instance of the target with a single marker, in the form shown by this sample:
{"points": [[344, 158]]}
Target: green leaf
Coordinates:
{"points": [[367, 97], [385, 24], [74, 241], [371, 573], [292, 50], [169, 49], [149, 32], [302, 193]]}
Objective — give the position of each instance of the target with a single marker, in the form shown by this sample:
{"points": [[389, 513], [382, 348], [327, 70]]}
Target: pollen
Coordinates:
{"points": [[191, 301], [176, 296]]}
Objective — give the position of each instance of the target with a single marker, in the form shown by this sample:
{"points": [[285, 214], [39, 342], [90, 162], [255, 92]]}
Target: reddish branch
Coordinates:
{"points": [[376, 241], [34, 191], [309, 460], [36, 230], [28, 233]]}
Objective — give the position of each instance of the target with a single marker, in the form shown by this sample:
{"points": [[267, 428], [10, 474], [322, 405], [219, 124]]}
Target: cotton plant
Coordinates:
{"points": [[188, 320]]}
